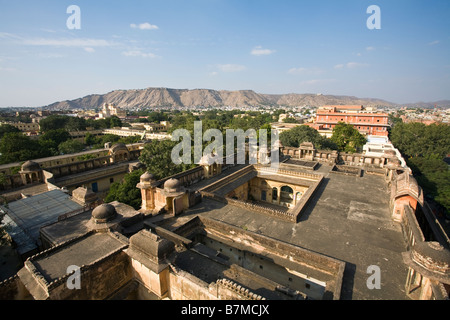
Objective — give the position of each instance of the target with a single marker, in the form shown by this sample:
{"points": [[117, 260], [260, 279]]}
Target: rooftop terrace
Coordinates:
{"points": [[347, 218]]}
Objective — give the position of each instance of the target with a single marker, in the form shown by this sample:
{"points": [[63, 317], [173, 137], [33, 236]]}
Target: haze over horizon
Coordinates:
{"points": [[270, 47]]}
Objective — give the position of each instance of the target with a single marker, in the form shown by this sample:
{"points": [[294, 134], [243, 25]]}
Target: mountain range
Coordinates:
{"points": [[188, 98]]}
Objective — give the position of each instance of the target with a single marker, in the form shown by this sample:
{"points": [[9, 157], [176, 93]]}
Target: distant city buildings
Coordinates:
{"points": [[29, 129], [109, 110], [425, 116]]}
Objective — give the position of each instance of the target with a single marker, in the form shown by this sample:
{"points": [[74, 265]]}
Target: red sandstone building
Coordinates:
{"points": [[367, 122]]}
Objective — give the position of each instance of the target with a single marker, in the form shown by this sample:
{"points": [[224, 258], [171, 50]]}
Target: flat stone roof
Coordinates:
{"points": [[67, 229], [77, 225], [84, 251], [348, 218]]}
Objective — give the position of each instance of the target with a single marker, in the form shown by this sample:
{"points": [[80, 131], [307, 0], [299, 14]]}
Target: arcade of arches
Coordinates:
{"points": [[269, 191]]}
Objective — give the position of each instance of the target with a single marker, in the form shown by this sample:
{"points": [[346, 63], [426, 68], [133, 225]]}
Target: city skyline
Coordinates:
{"points": [[267, 46]]}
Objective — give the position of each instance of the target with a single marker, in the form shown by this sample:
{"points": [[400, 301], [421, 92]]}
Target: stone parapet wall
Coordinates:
{"points": [[230, 290], [260, 208], [281, 253], [186, 178], [185, 286]]}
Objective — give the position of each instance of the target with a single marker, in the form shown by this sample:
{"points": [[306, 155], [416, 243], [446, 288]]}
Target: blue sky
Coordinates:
{"points": [[285, 46]]}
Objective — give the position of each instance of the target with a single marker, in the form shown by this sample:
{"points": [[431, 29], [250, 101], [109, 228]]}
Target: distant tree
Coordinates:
{"points": [[394, 119], [347, 138], [183, 120], [125, 191], [53, 138], [157, 158], [296, 136], [130, 139], [75, 124], [71, 146], [53, 122], [251, 121], [90, 139], [7, 128], [98, 142], [101, 124], [114, 122], [156, 117], [16, 147], [267, 127], [290, 120]]}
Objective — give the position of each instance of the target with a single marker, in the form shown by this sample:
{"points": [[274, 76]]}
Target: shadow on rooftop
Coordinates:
{"points": [[313, 201], [348, 281]]}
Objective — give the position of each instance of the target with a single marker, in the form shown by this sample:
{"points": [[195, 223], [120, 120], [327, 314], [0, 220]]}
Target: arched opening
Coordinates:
{"points": [[298, 196], [274, 194], [286, 195], [169, 204]]}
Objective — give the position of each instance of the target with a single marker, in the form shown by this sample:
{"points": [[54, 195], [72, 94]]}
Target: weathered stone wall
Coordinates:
{"points": [[184, 286], [280, 253], [98, 281], [13, 289], [156, 283]]}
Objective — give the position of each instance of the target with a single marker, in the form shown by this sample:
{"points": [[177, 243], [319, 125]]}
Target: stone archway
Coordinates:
{"points": [[286, 195]]}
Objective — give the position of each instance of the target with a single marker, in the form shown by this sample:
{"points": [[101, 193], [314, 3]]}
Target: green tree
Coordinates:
{"points": [[114, 122], [126, 191], [419, 140], [157, 158], [156, 117], [16, 147], [53, 122], [53, 138], [71, 146], [424, 148], [90, 139], [290, 120], [75, 124], [183, 121], [394, 119], [7, 128], [129, 140], [347, 138], [295, 136]]}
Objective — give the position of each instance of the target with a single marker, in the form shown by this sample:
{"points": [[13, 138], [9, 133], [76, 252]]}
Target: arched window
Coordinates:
{"points": [[274, 193], [286, 194]]}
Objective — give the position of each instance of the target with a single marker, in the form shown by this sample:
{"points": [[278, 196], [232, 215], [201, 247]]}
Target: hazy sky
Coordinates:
{"points": [[320, 46]]}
